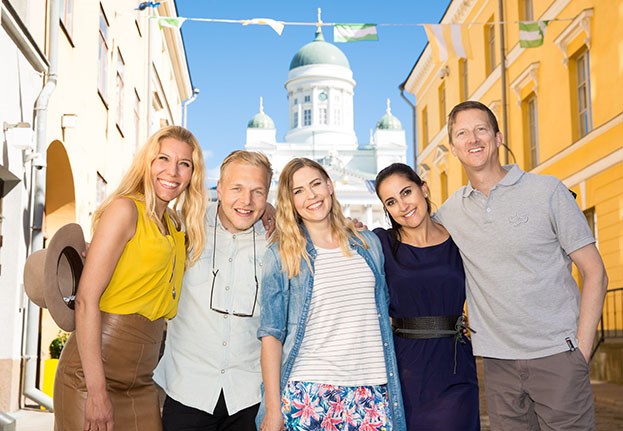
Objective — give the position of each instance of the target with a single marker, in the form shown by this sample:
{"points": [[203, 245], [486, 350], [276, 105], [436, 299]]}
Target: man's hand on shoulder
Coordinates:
{"points": [[268, 219]]}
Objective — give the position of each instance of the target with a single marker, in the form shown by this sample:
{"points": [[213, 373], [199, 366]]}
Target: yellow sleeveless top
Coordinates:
{"points": [[148, 277]]}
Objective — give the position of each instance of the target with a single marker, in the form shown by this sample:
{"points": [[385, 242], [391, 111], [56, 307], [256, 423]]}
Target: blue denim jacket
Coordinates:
{"points": [[285, 305]]}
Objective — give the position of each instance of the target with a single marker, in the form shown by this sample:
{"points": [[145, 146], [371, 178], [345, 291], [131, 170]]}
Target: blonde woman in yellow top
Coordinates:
{"points": [[130, 283]]}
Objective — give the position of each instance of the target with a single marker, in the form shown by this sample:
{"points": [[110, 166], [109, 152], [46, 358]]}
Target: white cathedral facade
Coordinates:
{"points": [[320, 89]]}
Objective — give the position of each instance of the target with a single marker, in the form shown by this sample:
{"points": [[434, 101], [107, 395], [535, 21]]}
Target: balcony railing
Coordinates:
{"points": [[611, 323]]}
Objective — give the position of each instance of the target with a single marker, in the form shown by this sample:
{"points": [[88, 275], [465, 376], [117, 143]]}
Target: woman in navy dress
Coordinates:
{"points": [[426, 282]]}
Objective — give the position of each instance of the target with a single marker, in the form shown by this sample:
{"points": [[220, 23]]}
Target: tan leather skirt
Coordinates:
{"points": [[130, 349]]}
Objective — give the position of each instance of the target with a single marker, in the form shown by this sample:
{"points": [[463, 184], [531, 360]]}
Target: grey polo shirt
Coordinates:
{"points": [[521, 297]]}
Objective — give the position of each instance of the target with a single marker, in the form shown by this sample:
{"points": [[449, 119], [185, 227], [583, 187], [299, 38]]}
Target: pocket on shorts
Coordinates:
{"points": [[578, 357]]}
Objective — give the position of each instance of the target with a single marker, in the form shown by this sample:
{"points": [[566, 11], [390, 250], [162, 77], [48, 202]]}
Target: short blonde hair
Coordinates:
{"points": [[253, 158], [191, 203]]}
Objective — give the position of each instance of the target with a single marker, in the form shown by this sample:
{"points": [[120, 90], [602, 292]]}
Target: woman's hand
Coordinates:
{"points": [[273, 421], [98, 414]]}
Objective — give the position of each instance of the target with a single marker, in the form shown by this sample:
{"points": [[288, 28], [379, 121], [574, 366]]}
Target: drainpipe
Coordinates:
{"points": [[38, 170], [414, 121], [187, 102]]}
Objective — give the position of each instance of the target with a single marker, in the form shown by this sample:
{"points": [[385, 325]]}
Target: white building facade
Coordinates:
{"points": [[320, 91], [82, 85]]}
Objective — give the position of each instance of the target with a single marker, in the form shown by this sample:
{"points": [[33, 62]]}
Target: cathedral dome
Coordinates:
{"points": [[261, 120], [319, 52], [388, 121]]}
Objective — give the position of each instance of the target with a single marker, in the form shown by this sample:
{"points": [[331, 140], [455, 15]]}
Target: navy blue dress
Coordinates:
{"points": [[430, 281]]}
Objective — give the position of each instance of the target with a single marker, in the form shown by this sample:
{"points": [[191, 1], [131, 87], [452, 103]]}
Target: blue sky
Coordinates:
{"points": [[233, 66]]}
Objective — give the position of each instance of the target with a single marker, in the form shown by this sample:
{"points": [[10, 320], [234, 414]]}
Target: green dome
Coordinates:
{"points": [[319, 52], [388, 121], [261, 120]]}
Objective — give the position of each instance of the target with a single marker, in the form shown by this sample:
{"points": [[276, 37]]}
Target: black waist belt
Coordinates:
{"points": [[428, 326], [432, 327]]}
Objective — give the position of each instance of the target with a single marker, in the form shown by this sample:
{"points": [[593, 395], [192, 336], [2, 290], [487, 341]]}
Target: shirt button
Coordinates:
{"points": [[222, 371], [385, 344], [391, 374], [230, 259], [395, 404], [488, 210], [233, 236], [225, 316], [226, 287], [224, 343]]}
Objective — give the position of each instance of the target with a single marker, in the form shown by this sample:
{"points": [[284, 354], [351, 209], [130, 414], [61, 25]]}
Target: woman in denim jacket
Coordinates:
{"points": [[328, 359]]}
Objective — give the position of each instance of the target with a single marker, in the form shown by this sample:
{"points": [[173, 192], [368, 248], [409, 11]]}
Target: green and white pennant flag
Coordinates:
{"points": [[170, 21], [531, 33], [354, 32]]}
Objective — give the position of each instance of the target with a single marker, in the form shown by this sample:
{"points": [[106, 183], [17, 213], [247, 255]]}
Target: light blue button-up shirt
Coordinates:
{"points": [[206, 351]]}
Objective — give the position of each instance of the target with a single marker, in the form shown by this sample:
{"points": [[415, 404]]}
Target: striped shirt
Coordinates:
{"points": [[342, 343]]}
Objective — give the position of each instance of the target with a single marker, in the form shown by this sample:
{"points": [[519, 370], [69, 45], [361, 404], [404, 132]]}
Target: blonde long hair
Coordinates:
{"points": [[191, 203], [289, 232]]}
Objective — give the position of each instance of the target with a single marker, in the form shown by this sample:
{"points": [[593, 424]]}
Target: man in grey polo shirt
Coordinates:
{"points": [[518, 234]]}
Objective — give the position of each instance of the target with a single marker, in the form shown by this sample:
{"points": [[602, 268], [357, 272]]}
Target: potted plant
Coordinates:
{"points": [[49, 366]]}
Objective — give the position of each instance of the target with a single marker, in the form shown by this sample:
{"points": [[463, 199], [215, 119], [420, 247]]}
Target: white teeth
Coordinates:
{"points": [[410, 213], [168, 184], [244, 211], [474, 150], [314, 206]]}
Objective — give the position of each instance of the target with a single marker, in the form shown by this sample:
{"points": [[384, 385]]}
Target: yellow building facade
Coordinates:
{"points": [[563, 104]]}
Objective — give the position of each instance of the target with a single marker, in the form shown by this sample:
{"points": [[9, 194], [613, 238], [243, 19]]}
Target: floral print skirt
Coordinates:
{"points": [[310, 406]]}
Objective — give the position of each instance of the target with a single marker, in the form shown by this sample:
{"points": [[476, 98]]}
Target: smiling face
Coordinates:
{"points": [[242, 191], [171, 171], [311, 195], [474, 141], [404, 200]]}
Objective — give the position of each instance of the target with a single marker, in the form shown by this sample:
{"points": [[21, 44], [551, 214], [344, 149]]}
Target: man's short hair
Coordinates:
{"points": [[467, 105], [254, 158]]}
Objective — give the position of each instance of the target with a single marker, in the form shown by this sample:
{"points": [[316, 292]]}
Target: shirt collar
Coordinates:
{"points": [[513, 175]]}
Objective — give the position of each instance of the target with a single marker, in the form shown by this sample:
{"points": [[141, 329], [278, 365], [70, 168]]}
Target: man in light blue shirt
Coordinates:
{"points": [[210, 369]]}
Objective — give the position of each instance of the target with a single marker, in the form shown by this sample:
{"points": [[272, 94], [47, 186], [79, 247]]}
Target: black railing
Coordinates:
{"points": [[611, 322]]}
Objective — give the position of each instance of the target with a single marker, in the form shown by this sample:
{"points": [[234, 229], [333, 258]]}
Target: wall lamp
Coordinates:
{"points": [[19, 135]]}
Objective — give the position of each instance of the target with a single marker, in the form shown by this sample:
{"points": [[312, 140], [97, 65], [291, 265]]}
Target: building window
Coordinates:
{"points": [[424, 127], [526, 10], [295, 120], [531, 132], [441, 94], [307, 117], [119, 90], [337, 117], [137, 119], [583, 94], [463, 79], [67, 16], [100, 190], [322, 116], [296, 102], [490, 46], [590, 218], [102, 85], [307, 99], [443, 179]]}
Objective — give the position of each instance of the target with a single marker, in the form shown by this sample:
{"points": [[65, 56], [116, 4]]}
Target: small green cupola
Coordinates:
{"points": [[388, 121], [261, 120]]}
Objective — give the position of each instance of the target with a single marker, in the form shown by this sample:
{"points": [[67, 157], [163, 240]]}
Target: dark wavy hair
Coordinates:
{"points": [[409, 174]]}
